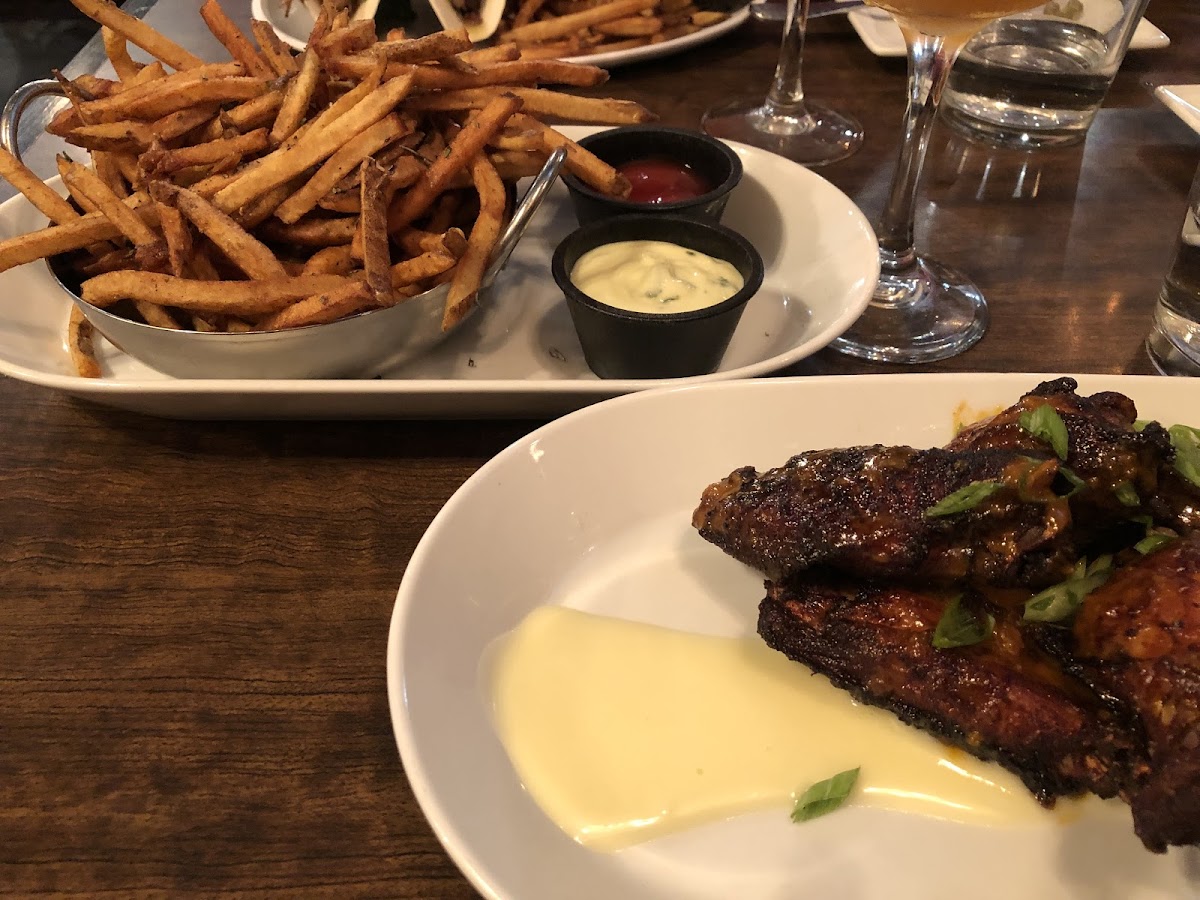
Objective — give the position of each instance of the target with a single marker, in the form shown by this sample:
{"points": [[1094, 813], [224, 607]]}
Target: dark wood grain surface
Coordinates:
{"points": [[193, 616]]}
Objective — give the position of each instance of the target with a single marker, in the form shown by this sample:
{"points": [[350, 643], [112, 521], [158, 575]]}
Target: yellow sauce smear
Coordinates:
{"points": [[622, 732]]}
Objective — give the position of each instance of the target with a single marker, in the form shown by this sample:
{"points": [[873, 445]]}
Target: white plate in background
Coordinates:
{"points": [[1183, 100], [882, 36], [519, 355], [593, 511]]}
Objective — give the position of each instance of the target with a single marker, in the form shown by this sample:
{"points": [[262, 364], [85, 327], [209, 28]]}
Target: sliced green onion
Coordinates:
{"points": [[825, 796], [964, 498], [1045, 423], [961, 627], [1060, 601], [1153, 541], [1126, 494], [1077, 483], [1186, 441]]}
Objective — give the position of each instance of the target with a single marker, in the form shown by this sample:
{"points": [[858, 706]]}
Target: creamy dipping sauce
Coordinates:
{"points": [[622, 731], [654, 277]]}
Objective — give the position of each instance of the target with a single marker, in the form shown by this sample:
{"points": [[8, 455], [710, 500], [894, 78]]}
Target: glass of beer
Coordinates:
{"points": [[922, 310]]}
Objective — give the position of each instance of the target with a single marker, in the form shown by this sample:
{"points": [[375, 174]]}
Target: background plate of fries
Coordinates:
{"points": [[600, 32], [519, 356]]}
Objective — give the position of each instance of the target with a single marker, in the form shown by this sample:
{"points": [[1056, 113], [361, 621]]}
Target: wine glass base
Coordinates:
{"points": [[818, 137], [927, 313]]}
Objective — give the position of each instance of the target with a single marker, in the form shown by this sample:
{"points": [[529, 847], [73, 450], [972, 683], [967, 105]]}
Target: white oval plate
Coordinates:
{"points": [[521, 355], [881, 35], [593, 511]]}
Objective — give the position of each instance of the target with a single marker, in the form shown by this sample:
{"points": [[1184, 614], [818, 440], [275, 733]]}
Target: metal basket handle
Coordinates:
{"points": [[525, 210], [10, 118]]}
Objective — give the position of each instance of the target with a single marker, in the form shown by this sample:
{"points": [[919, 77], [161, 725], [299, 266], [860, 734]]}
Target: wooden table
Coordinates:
{"points": [[195, 614]]}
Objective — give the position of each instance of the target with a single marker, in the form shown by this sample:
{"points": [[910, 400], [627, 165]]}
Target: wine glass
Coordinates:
{"points": [[785, 123], [922, 310]]}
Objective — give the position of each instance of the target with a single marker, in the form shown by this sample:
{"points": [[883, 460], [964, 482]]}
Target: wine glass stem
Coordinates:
{"points": [[929, 61], [786, 97]]}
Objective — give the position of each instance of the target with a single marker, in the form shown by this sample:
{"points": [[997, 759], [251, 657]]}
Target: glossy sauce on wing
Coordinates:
{"points": [[660, 180], [622, 731]]}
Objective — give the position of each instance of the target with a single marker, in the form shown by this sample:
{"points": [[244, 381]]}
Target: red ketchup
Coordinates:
{"points": [[660, 180]]}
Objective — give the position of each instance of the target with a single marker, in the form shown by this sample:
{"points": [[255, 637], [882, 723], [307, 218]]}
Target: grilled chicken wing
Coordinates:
{"points": [[863, 510], [1137, 639], [1125, 472], [1001, 699]]}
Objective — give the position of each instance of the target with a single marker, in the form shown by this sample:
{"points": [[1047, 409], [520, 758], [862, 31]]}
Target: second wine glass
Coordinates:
{"points": [[921, 310], [785, 123]]}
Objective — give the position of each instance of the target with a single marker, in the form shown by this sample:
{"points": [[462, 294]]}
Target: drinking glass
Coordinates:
{"points": [[922, 310], [785, 123]]}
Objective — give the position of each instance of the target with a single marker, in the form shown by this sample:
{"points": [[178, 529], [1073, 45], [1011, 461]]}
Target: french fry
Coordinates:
{"points": [[299, 95], [83, 232], [345, 160], [331, 261], [415, 241], [523, 71], [467, 144], [106, 167], [117, 51], [632, 26], [239, 298], [138, 32], [89, 184], [581, 163], [312, 232], [178, 236], [428, 265], [551, 29], [539, 101], [48, 203], [526, 11], [233, 40], [277, 55], [504, 52], [115, 106], [468, 274], [167, 161], [554, 50], [156, 315], [166, 100], [80, 345], [373, 228], [438, 46], [704, 18], [351, 38], [65, 166], [256, 113], [319, 309], [246, 252]]}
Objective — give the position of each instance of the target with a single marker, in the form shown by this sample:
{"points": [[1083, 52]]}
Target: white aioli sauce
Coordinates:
{"points": [[622, 731], [654, 277]]}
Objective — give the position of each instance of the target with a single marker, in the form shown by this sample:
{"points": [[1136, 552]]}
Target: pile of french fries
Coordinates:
{"points": [[551, 29], [274, 191]]}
